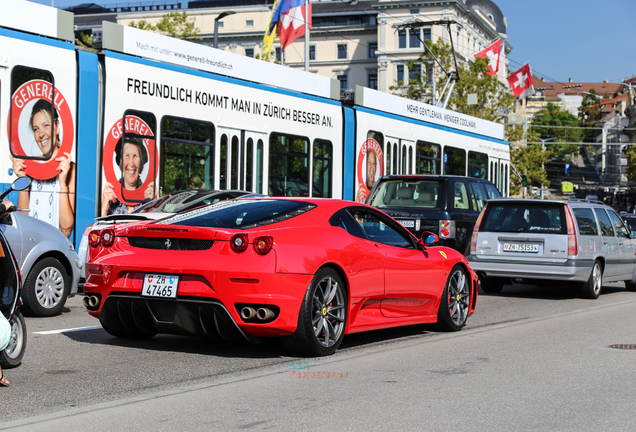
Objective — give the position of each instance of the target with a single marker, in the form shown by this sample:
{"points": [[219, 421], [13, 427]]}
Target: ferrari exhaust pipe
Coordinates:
{"points": [[91, 302], [264, 314], [248, 313]]}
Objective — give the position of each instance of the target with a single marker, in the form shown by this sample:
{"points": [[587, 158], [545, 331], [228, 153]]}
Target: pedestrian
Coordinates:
{"points": [[5, 327]]}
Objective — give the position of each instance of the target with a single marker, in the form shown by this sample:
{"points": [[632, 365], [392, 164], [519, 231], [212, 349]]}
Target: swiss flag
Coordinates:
{"points": [[493, 52], [521, 82]]}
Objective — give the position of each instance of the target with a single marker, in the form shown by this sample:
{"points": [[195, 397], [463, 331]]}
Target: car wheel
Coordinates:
{"points": [[455, 301], [46, 288], [13, 353], [492, 285], [592, 288], [323, 316]]}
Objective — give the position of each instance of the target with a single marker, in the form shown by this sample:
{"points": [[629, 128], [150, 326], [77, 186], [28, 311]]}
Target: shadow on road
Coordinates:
{"points": [[552, 292]]}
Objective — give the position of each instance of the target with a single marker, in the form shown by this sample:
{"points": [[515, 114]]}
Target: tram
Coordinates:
{"points": [[101, 131]]}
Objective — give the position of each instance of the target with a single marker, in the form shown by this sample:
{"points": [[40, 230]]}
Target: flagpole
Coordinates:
{"points": [[307, 35]]}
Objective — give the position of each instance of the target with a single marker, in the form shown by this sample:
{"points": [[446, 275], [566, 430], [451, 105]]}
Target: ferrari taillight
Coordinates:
{"points": [[238, 243], [262, 245], [93, 238], [573, 247], [108, 237], [473, 238]]}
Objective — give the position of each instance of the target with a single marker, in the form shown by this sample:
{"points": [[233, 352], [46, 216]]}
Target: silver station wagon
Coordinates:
{"points": [[534, 241]]}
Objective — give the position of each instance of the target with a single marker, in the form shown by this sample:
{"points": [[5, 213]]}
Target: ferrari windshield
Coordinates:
{"points": [[239, 214]]}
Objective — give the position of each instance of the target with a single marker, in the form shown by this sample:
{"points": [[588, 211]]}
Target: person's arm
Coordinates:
{"points": [[67, 194]]}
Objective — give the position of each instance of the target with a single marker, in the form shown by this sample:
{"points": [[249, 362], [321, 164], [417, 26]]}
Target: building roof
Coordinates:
{"points": [[551, 91], [491, 10]]}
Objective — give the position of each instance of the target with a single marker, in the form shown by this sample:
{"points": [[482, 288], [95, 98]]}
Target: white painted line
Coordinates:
{"points": [[48, 332]]}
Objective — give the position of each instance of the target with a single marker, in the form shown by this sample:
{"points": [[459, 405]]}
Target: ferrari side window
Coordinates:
{"points": [[377, 230], [344, 220]]}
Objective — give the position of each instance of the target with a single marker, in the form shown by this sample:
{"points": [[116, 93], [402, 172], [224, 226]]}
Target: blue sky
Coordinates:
{"points": [[586, 40]]}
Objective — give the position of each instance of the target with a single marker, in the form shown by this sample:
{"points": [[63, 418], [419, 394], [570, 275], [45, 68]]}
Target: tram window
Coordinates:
{"points": [[34, 118], [288, 165], [223, 168], [478, 165], [388, 158], [404, 159], [249, 164], [136, 155], [235, 159], [428, 158], [494, 174], [410, 160], [187, 154], [259, 166], [323, 169], [454, 161], [395, 169], [501, 175]]}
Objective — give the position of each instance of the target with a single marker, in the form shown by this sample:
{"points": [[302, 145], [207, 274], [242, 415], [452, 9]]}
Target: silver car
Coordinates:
{"points": [[533, 241], [49, 265]]}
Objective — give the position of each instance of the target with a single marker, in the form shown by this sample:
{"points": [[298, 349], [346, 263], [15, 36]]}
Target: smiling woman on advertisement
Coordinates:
{"points": [[53, 197]]}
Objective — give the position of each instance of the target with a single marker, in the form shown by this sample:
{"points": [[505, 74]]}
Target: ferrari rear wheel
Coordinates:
{"points": [[323, 316], [455, 302]]}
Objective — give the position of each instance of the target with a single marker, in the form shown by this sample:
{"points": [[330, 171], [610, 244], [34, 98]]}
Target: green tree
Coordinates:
{"points": [[493, 99], [175, 24], [563, 131]]}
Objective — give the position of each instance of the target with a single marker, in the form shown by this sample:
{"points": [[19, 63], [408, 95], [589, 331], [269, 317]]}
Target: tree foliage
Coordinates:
{"points": [[562, 131], [493, 100], [174, 24]]}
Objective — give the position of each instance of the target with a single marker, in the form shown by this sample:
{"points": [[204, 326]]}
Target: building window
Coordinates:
{"points": [[415, 11], [414, 40], [249, 52], [373, 47], [400, 73], [279, 55], [373, 80], [342, 51], [402, 39], [343, 82], [415, 72], [429, 74], [220, 23], [426, 34], [312, 52], [249, 23]]}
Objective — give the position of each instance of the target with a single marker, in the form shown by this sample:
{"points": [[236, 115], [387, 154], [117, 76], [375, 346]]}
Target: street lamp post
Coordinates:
{"points": [[216, 26], [543, 141]]}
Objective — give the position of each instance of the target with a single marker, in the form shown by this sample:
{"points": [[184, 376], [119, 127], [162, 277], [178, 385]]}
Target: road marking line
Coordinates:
{"points": [[48, 332]]}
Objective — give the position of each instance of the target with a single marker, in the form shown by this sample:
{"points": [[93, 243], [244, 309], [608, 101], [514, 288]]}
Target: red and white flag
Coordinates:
{"points": [[521, 82], [493, 52]]}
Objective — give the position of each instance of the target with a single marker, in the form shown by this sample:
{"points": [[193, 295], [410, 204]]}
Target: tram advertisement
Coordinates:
{"points": [[129, 166], [369, 169], [41, 135]]}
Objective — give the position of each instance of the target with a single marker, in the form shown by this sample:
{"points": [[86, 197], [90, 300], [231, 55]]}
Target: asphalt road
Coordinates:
{"points": [[529, 359]]}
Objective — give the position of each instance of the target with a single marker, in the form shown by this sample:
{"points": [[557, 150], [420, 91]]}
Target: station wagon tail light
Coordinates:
{"points": [[108, 237], [573, 249], [473, 238], [446, 228], [262, 245], [238, 242], [93, 238]]}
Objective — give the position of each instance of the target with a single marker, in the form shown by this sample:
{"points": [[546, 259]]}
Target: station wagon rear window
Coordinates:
{"points": [[524, 218], [240, 214], [414, 193]]}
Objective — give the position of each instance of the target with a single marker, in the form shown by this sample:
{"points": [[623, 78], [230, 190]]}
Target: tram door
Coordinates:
{"points": [[241, 159], [399, 156], [498, 174]]}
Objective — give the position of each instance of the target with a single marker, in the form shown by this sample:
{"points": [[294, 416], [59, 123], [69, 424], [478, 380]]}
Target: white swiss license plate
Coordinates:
{"points": [[407, 223], [156, 285], [521, 247]]}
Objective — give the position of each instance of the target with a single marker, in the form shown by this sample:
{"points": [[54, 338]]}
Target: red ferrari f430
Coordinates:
{"points": [[306, 270]]}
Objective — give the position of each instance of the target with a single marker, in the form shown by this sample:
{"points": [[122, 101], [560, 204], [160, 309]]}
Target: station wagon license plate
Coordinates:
{"points": [[156, 285], [407, 223], [521, 247]]}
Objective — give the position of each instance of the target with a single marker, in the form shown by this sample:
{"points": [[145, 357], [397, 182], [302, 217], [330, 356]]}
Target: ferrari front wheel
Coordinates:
{"points": [[323, 316], [455, 301]]}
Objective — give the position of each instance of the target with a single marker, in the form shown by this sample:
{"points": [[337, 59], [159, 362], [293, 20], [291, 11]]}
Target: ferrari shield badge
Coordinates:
{"points": [[442, 253]]}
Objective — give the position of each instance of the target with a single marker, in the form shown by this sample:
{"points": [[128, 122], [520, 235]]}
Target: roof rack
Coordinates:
{"points": [[572, 198]]}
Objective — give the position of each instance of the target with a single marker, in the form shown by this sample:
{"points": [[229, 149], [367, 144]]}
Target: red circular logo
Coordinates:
{"points": [[22, 138], [113, 172], [363, 169]]}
